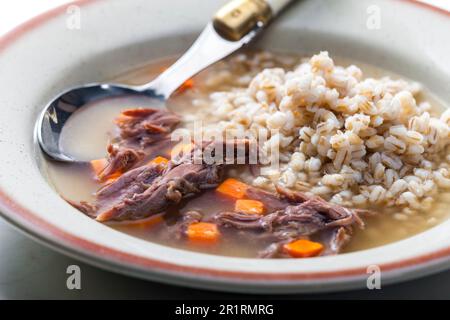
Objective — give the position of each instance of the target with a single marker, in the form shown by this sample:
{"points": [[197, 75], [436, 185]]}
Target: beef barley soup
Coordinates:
{"points": [[362, 159]]}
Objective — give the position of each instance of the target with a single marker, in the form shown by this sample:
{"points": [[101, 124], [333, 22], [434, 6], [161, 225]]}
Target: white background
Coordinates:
{"points": [[29, 270]]}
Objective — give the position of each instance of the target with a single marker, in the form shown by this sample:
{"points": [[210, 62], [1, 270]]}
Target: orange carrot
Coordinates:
{"points": [[160, 160], [188, 84], [128, 114], [144, 223], [113, 177], [98, 166], [137, 112], [203, 232], [121, 119], [249, 206], [303, 248], [233, 188]]}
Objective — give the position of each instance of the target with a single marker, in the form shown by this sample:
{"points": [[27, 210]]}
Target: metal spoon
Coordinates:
{"points": [[235, 25]]}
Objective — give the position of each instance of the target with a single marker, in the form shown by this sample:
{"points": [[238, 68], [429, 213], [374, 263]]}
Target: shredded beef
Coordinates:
{"points": [[146, 126], [120, 159], [297, 216], [153, 188], [141, 131]]}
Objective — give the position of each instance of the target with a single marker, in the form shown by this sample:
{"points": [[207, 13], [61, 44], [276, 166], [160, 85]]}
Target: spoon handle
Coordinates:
{"points": [[234, 25]]}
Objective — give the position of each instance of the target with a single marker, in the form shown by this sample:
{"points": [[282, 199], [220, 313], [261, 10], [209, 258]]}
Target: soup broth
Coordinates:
{"points": [[94, 126]]}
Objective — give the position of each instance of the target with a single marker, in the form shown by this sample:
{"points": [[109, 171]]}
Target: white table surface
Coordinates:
{"points": [[29, 270]]}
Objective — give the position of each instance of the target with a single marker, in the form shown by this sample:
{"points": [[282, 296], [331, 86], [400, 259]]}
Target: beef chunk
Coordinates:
{"points": [[145, 126], [85, 207], [120, 160], [129, 184], [232, 151], [141, 132], [153, 188], [272, 201], [150, 189], [297, 216]]}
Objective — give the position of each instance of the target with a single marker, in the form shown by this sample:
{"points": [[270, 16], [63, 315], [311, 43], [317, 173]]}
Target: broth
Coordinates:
{"points": [[93, 127]]}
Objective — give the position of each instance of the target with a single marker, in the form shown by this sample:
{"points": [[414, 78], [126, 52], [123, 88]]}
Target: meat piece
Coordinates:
{"points": [[336, 239], [84, 207], [131, 183], [145, 126], [150, 189], [298, 216], [120, 160], [153, 188], [272, 201], [233, 151], [141, 132]]}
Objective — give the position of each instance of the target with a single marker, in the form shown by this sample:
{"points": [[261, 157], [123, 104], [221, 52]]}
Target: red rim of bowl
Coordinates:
{"points": [[51, 235]]}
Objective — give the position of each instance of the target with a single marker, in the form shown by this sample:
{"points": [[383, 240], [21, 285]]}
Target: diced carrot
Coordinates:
{"points": [[160, 160], [303, 248], [188, 84], [144, 223], [98, 166], [121, 119], [137, 112], [233, 188], [249, 206], [203, 232], [181, 149], [128, 114], [113, 177], [104, 216]]}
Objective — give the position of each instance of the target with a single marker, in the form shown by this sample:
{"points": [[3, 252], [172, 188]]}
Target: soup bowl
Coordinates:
{"points": [[93, 41]]}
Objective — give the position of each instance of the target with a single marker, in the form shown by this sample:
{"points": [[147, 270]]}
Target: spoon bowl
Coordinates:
{"points": [[56, 113]]}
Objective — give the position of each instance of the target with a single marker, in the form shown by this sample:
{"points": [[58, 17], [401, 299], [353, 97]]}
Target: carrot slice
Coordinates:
{"points": [[249, 206], [137, 112], [160, 160], [113, 177], [130, 114], [188, 84], [98, 166], [233, 188], [203, 232], [121, 119], [303, 248], [144, 223]]}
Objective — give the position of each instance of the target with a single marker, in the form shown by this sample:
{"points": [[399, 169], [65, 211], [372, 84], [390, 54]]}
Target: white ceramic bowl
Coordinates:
{"points": [[42, 57]]}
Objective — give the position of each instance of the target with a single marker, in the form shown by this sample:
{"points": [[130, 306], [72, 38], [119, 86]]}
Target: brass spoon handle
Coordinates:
{"points": [[239, 17]]}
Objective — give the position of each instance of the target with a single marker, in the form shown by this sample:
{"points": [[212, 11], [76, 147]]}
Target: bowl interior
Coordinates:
{"points": [[126, 39]]}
